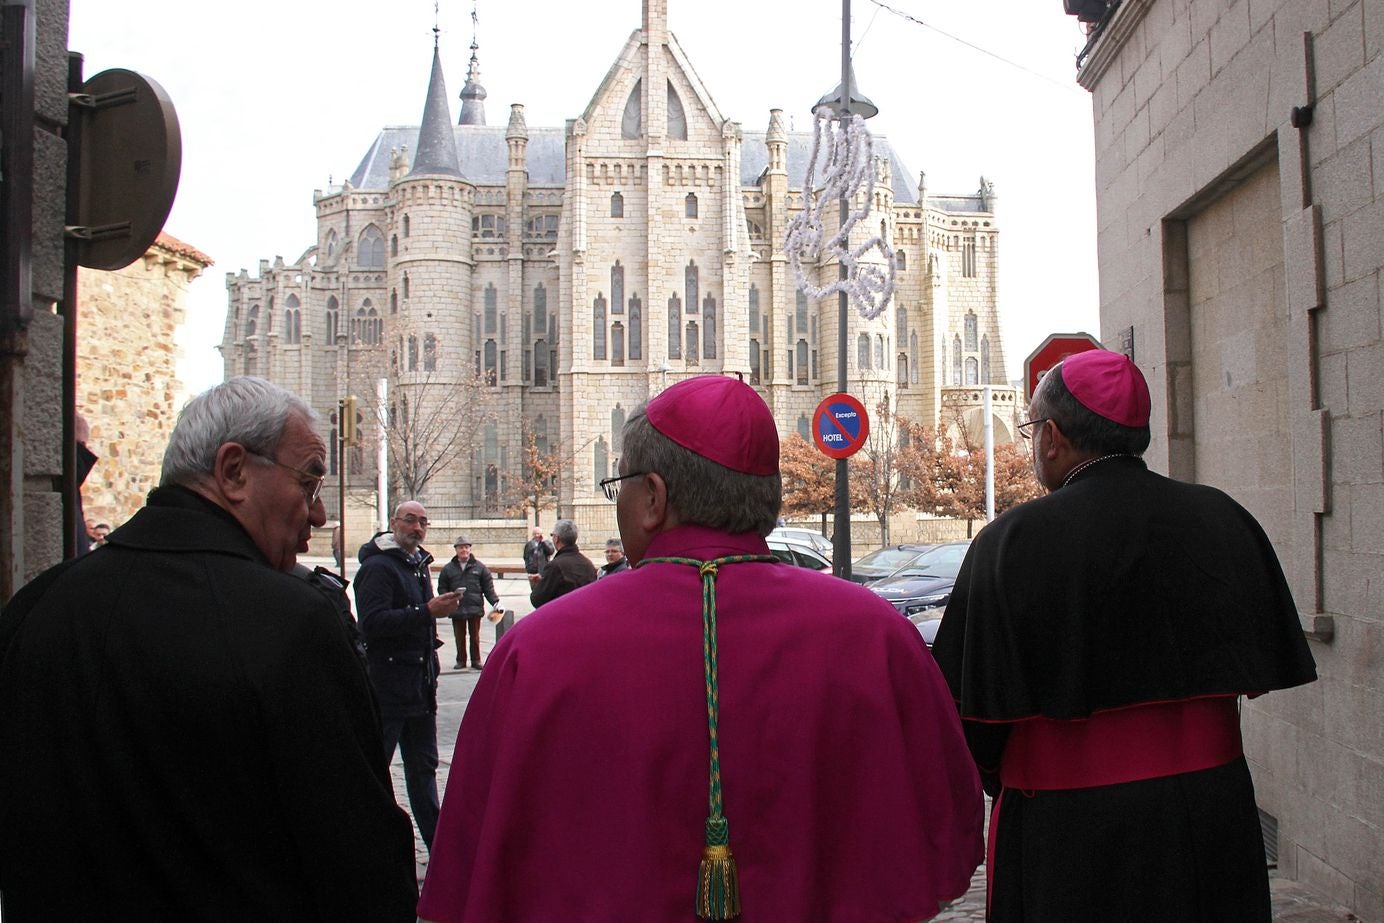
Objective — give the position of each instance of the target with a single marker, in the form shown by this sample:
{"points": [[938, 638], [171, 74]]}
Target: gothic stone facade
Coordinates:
{"points": [[578, 271]]}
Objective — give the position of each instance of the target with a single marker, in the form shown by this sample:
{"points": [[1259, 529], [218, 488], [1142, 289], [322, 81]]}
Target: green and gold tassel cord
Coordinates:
{"points": [[718, 885]]}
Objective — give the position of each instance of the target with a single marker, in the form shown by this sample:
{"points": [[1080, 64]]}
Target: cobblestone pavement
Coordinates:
{"points": [[1292, 902]]}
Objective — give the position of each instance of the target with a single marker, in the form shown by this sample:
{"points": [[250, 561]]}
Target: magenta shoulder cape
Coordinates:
{"points": [[578, 788]]}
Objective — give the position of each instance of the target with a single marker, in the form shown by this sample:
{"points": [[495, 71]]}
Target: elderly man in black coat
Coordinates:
{"points": [[186, 732]]}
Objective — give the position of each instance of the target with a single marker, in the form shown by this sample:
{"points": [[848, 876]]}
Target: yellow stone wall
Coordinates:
{"points": [[127, 383]]}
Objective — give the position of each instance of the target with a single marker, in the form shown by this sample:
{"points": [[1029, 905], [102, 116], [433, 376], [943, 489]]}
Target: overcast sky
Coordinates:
{"points": [[277, 99]]}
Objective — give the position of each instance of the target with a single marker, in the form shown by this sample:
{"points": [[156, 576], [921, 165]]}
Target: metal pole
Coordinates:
{"points": [[341, 478], [70, 488], [841, 540], [989, 460]]}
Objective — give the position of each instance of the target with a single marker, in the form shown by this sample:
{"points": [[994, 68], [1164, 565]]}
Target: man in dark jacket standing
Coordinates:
{"points": [[538, 551], [615, 559], [186, 733], [568, 570], [398, 614], [467, 575]]}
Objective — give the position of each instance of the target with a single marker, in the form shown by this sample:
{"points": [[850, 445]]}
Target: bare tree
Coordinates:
{"points": [[432, 419], [875, 476], [535, 487]]}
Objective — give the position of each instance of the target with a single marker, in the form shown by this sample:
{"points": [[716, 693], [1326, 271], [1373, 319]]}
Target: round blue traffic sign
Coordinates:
{"points": [[840, 426]]}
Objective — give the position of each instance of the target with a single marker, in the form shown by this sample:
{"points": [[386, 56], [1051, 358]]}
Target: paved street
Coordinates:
{"points": [[1292, 903]]}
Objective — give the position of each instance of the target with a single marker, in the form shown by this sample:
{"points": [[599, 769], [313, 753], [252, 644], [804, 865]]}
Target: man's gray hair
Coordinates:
{"points": [[615, 543], [246, 410], [1085, 429], [700, 491], [565, 531]]}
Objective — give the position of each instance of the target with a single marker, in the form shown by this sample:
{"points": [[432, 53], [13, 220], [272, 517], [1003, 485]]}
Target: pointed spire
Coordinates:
{"points": [[436, 152], [473, 94], [518, 129], [775, 132]]}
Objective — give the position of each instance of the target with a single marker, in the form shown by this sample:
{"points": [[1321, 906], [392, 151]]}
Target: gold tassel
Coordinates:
{"points": [[718, 885]]}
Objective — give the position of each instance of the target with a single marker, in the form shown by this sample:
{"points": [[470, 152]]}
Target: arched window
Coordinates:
{"points": [[540, 309], [691, 286], [956, 362], [900, 260], [602, 458], [690, 205], [491, 300], [598, 327], [709, 327], [754, 361], [862, 352], [804, 430], [412, 353], [394, 245], [879, 352], [617, 205], [370, 252], [252, 321], [913, 353], [406, 285], [430, 353], [632, 121], [754, 310], [406, 226], [333, 318], [540, 363], [617, 288], [901, 377], [800, 313], [617, 428], [617, 343], [491, 361], [674, 327], [971, 332], [293, 321], [393, 302], [985, 360], [636, 329], [366, 326], [972, 371], [968, 259], [331, 244], [900, 323], [693, 343], [677, 119], [802, 362]]}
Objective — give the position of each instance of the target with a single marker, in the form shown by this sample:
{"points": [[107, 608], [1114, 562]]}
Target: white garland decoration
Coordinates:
{"points": [[849, 169]]}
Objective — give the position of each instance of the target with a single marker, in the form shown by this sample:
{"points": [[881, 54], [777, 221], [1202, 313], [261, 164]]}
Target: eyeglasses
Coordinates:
{"points": [[310, 484], [412, 520], [611, 486], [1026, 428]]}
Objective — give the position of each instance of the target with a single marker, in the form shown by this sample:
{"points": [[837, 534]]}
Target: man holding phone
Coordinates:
{"points": [[398, 616]]}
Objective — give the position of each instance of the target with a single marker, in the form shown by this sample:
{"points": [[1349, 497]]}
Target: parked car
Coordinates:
{"points": [[886, 562], [798, 554], [922, 590], [810, 537]]}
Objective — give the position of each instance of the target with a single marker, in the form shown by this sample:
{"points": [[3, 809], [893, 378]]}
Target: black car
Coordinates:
{"points": [[922, 590], [886, 562]]}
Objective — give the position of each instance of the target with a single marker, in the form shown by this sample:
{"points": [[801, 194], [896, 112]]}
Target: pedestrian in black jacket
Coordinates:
{"points": [[186, 733], [568, 570], [398, 614], [466, 574]]}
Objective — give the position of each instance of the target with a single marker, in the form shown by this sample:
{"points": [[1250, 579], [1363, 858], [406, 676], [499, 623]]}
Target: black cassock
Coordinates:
{"points": [[1123, 589]]}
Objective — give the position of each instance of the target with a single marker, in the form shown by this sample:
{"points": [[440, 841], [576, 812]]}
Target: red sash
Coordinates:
{"points": [[1124, 745]]}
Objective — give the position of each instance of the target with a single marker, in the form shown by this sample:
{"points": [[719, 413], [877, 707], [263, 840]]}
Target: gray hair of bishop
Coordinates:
{"points": [[1085, 429], [246, 410], [565, 531], [701, 491]]}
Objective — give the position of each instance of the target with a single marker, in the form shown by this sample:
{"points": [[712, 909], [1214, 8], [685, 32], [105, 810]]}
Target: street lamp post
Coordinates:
{"points": [[846, 105]]}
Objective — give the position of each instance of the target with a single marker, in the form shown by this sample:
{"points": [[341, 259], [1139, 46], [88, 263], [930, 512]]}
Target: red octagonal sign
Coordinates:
{"points": [[1055, 348]]}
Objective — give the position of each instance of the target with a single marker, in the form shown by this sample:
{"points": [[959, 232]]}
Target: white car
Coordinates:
{"points": [[810, 537]]}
